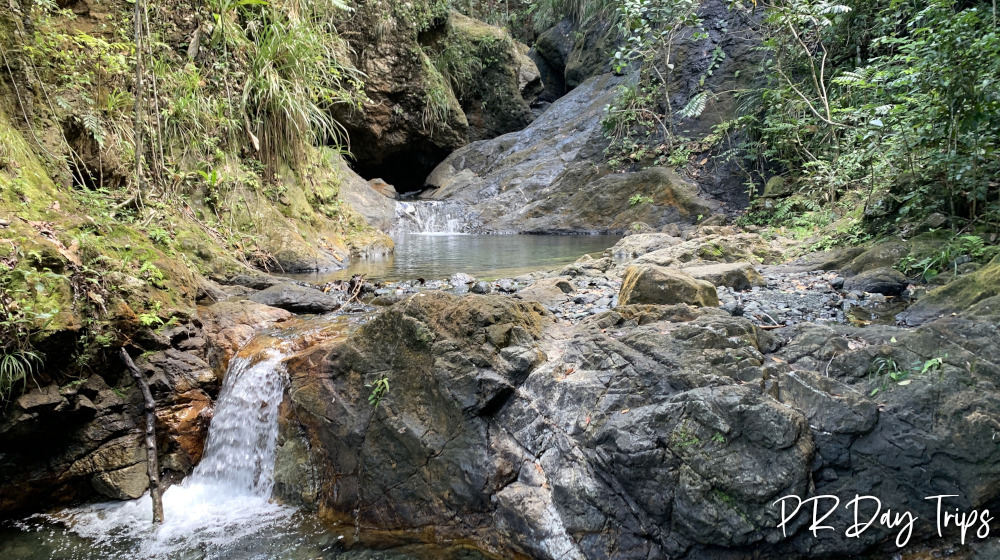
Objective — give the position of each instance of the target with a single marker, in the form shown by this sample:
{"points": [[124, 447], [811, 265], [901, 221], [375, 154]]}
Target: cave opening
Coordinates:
{"points": [[405, 170]]}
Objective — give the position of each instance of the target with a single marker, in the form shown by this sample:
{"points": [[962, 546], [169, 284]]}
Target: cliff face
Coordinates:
{"points": [[435, 81]]}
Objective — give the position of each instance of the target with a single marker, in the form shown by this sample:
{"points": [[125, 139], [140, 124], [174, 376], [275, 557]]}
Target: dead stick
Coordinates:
{"points": [[152, 464]]}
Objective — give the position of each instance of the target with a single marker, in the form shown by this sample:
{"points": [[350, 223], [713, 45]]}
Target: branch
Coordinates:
{"points": [[152, 464]]}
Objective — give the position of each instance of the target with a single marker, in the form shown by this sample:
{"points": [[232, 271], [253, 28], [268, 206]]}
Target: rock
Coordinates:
{"points": [[550, 179], [417, 115], [659, 285], [229, 325], [714, 248], [481, 288], [884, 255], [298, 299], [972, 293], [888, 281], [601, 434], [383, 188], [637, 245], [777, 187], [184, 427], [829, 405], [714, 220], [548, 291], [373, 200], [461, 279], [42, 400], [128, 483], [738, 276], [636, 228], [529, 78], [672, 230]]}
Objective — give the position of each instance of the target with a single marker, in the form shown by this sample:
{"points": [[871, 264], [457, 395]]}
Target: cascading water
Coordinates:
{"points": [[432, 217], [223, 509], [239, 453]]}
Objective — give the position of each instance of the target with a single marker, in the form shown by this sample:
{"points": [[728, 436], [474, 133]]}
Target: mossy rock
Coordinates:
{"points": [[959, 296]]}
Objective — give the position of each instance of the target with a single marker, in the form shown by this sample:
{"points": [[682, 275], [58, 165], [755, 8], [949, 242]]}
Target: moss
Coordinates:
{"points": [[965, 291]]}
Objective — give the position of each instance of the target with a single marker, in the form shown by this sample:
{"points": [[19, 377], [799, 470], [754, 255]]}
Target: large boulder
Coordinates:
{"points": [[632, 443], [738, 276], [659, 285], [650, 430], [548, 291], [298, 299], [884, 280], [639, 244]]}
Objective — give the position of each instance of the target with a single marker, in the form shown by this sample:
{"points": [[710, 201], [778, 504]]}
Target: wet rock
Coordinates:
{"points": [[738, 276], [888, 281], [127, 483], [229, 325], [298, 299], [481, 288], [659, 285]]}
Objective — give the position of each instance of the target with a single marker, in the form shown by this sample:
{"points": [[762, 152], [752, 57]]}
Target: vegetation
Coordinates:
{"points": [[641, 120], [380, 387], [895, 101], [183, 159]]}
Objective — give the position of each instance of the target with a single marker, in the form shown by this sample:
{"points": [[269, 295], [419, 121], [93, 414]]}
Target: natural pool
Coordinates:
{"points": [[488, 257]]}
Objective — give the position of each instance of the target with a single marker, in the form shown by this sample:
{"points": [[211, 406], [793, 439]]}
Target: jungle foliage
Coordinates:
{"points": [[888, 105], [896, 100]]}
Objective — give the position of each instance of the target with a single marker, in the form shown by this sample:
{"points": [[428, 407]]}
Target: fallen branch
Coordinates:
{"points": [[152, 464]]}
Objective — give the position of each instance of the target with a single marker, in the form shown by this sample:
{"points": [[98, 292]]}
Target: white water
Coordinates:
{"points": [[225, 503], [430, 217]]}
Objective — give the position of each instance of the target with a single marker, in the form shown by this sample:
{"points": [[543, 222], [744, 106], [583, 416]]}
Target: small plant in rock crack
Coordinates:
{"points": [[379, 389], [885, 370], [640, 199]]}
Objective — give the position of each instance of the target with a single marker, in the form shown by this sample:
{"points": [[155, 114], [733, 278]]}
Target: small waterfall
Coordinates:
{"points": [[239, 453], [224, 507], [432, 216]]}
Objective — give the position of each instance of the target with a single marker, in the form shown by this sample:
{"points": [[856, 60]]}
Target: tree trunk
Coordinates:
{"points": [[152, 464]]}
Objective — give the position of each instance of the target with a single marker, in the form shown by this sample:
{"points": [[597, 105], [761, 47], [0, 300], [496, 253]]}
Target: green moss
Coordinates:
{"points": [[966, 291]]}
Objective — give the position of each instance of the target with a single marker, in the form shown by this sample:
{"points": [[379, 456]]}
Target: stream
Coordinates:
{"points": [[223, 510]]}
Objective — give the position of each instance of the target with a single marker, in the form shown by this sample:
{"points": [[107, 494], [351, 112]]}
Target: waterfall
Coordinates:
{"points": [[432, 216], [239, 453], [223, 509]]}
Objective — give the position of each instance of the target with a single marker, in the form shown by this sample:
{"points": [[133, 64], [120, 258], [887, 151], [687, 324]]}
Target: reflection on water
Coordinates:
{"points": [[438, 256]]}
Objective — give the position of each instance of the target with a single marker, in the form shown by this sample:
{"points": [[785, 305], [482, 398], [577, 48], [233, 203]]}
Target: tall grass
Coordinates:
{"points": [[293, 77]]}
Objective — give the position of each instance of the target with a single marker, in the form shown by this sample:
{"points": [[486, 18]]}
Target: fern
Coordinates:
{"points": [[695, 107], [92, 124]]}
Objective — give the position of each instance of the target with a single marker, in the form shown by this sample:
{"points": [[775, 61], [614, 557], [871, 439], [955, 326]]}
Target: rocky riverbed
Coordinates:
{"points": [[650, 405], [653, 401]]}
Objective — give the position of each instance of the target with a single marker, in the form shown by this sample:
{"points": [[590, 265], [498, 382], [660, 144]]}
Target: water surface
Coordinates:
{"points": [[488, 257]]}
